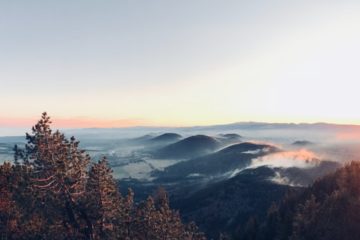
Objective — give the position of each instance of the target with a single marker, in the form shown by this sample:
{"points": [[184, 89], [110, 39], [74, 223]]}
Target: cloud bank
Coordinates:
{"points": [[300, 158]]}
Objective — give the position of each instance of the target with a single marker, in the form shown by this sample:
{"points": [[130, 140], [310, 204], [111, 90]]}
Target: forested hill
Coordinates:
{"points": [[327, 210]]}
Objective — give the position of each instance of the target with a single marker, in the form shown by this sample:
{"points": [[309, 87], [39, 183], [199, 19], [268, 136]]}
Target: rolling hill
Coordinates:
{"points": [[166, 138], [219, 163], [225, 206], [190, 147]]}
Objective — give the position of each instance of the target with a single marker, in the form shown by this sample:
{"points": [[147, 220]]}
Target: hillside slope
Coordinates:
{"points": [[222, 162], [189, 147], [326, 210]]}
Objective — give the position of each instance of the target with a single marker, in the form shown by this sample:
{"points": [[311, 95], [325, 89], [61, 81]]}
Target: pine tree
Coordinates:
{"points": [[251, 229], [7, 221], [51, 193], [103, 201], [59, 175], [155, 219]]}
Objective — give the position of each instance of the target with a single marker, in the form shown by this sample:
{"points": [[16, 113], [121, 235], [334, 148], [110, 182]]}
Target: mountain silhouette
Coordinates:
{"points": [[189, 147]]}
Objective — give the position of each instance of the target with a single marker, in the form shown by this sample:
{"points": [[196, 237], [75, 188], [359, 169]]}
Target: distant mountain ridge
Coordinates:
{"points": [[219, 127], [138, 130]]}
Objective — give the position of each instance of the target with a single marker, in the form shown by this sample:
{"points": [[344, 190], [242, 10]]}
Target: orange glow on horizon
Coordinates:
{"points": [[344, 131], [351, 134], [74, 122]]}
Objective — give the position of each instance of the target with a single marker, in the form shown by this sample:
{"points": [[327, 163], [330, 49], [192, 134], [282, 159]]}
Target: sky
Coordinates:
{"points": [[92, 63]]}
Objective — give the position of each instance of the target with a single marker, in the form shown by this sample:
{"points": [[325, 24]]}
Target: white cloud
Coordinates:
{"points": [[301, 158]]}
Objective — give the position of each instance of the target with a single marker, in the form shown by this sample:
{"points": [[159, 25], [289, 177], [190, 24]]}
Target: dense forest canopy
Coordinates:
{"points": [[327, 210]]}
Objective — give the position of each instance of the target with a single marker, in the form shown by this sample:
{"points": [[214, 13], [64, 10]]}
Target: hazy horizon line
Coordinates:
{"points": [[23, 129]]}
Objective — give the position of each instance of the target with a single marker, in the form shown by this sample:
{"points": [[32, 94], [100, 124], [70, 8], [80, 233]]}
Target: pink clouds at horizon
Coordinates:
{"points": [[79, 122]]}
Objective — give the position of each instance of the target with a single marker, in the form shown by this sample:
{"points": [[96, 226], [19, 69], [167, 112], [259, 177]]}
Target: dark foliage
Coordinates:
{"points": [[54, 192], [326, 210], [225, 206]]}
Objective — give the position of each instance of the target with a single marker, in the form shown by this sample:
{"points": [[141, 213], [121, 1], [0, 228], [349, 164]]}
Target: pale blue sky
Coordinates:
{"points": [[180, 62]]}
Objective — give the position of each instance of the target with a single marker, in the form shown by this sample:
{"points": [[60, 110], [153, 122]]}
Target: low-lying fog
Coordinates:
{"points": [[138, 153]]}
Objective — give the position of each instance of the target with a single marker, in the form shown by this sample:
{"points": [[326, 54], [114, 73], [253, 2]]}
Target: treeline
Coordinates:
{"points": [[53, 191], [327, 210]]}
